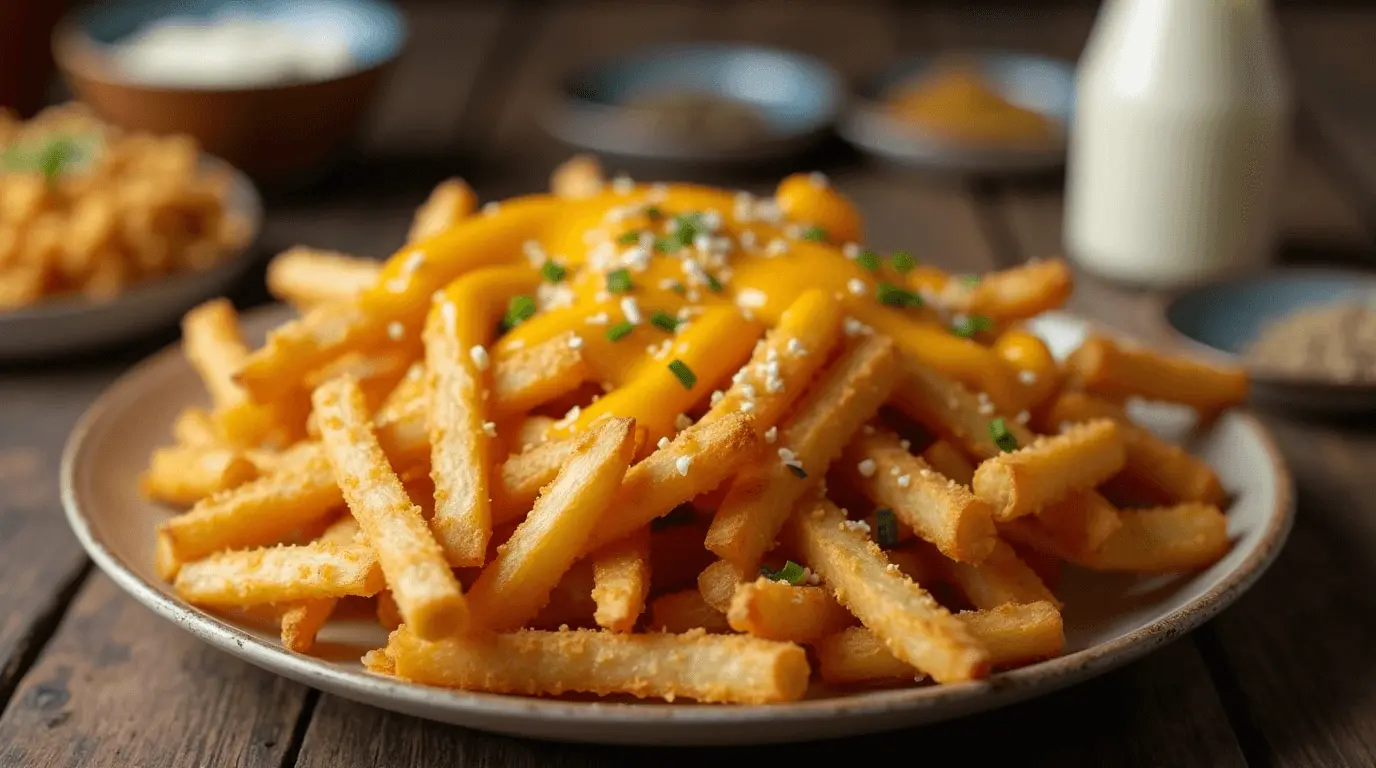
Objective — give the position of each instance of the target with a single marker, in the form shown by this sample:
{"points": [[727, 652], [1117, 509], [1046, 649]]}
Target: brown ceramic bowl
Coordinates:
{"points": [[280, 135]]}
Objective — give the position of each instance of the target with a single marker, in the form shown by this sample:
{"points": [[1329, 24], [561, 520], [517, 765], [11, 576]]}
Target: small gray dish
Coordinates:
{"points": [[1221, 319], [796, 97], [1037, 83]]}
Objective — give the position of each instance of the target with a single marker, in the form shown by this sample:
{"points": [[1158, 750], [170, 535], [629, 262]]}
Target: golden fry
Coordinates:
{"points": [[774, 610], [949, 461], [1050, 469], [1001, 578], [718, 583], [1108, 368], [280, 575], [621, 581], [184, 475], [308, 277], [451, 201], [212, 343], [537, 375], [684, 611], [303, 621], [195, 426], [578, 177]]}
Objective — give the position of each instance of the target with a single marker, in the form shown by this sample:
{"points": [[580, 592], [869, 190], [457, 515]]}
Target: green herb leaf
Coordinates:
{"points": [[653, 212], [791, 573], [868, 260], [894, 296], [969, 325], [519, 310], [714, 285], [619, 281], [797, 470], [903, 262], [678, 288], [685, 375], [619, 331], [664, 320], [970, 280], [629, 237], [555, 273], [815, 233], [998, 430], [669, 244], [886, 528]]}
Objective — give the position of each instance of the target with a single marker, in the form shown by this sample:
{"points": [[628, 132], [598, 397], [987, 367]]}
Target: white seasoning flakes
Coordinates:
{"points": [[396, 331], [534, 253], [905, 443], [747, 407], [1027, 377], [857, 526], [856, 286], [711, 220], [1023, 417], [631, 309], [771, 435], [491, 208], [786, 455], [819, 179], [717, 396], [413, 262], [682, 422], [702, 242], [450, 313], [747, 240], [796, 348], [636, 258], [854, 327], [904, 481], [682, 465], [986, 408], [490, 428], [773, 384], [598, 319], [575, 342], [623, 184], [851, 250], [752, 298], [812, 578], [893, 568], [478, 355], [777, 247], [663, 443], [866, 468], [768, 210], [570, 417]]}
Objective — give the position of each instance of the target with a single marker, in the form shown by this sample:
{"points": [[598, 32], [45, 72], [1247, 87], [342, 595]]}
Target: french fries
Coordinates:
{"points": [[604, 441]]}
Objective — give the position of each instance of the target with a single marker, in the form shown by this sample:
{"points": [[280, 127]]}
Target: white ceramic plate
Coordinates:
{"points": [[1110, 620], [70, 325]]}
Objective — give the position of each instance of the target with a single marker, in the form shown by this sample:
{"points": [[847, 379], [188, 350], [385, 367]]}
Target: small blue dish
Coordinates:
{"points": [[1037, 83], [1222, 319], [796, 97]]}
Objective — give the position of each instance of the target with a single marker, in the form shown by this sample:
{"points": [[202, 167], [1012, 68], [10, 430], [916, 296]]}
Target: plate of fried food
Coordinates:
{"points": [[670, 464], [107, 235]]}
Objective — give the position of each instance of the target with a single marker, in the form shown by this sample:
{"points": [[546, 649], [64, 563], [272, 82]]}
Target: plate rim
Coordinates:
{"points": [[585, 721]]}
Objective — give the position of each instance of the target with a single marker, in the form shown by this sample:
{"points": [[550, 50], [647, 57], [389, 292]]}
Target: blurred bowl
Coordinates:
{"points": [[68, 325], [1222, 319], [1042, 85], [281, 134], [796, 98]]}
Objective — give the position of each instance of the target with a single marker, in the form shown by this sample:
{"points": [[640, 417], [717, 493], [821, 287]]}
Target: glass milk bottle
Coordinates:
{"points": [[1181, 121]]}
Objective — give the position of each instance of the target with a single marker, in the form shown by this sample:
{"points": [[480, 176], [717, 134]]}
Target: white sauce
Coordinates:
{"points": [[231, 52]]}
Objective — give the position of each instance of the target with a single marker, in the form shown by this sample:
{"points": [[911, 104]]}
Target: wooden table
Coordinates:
{"points": [[1286, 677]]}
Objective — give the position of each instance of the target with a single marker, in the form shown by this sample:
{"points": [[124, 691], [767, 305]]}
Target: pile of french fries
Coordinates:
{"points": [[660, 440]]}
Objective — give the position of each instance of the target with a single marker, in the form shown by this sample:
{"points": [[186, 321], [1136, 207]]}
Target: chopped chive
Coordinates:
{"points": [[894, 296], [619, 281], [966, 327], [653, 211], [903, 262], [619, 331], [685, 375], [518, 311], [714, 285], [998, 430], [797, 470], [664, 320], [815, 233], [629, 237], [553, 272], [868, 260], [970, 280], [668, 244], [886, 528], [791, 573], [678, 288]]}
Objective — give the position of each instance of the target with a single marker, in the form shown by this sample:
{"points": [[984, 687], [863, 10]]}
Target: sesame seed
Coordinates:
{"points": [[489, 429], [747, 240], [598, 319], [866, 468], [682, 465], [630, 309], [904, 481], [796, 348], [751, 297], [711, 219], [747, 407], [1023, 417], [623, 185], [413, 262], [450, 313], [702, 241], [663, 443], [479, 356], [1027, 377], [682, 422], [748, 391], [491, 208], [892, 568], [396, 331], [986, 408], [771, 435], [856, 286], [786, 455], [818, 179], [854, 327], [851, 250], [575, 342], [717, 396], [773, 385], [777, 247]]}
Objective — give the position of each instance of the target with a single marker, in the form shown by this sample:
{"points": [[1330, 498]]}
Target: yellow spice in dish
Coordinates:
{"points": [[958, 103]]}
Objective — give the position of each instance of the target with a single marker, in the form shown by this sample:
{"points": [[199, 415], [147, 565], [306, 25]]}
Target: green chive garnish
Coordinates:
{"points": [[555, 273], [970, 280], [629, 237], [998, 430], [903, 262], [791, 573], [668, 244], [886, 528], [664, 320], [894, 296], [966, 327], [868, 260], [653, 211], [619, 331], [519, 310], [714, 285], [797, 470], [619, 281], [678, 288], [815, 233], [685, 375]]}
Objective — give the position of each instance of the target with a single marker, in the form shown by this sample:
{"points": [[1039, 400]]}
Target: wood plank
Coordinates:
{"points": [[118, 687]]}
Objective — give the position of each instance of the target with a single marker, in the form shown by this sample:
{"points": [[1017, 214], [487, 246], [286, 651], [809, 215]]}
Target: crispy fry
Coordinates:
{"points": [[303, 621], [514, 586], [694, 462], [1167, 472], [184, 475], [517, 482], [450, 201], [294, 458], [579, 176], [378, 375], [1081, 522], [775, 610], [1185, 537], [683, 611], [621, 581], [911, 623], [537, 375], [212, 343], [694, 665], [1002, 578], [570, 602], [1050, 469], [425, 590], [937, 508], [531, 431], [847, 396], [388, 612], [1013, 634], [1108, 368], [194, 426], [1023, 291], [456, 365], [308, 277], [947, 459], [280, 575], [718, 582]]}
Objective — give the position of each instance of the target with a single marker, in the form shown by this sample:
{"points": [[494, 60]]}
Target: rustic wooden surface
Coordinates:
{"points": [[1287, 677]]}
